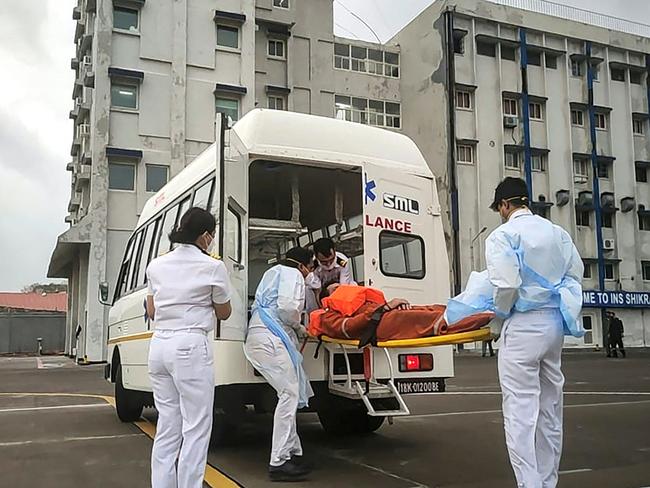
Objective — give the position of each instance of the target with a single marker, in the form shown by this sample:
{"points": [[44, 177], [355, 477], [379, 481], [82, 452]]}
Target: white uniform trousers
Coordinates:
{"points": [[182, 376], [531, 382], [269, 356]]}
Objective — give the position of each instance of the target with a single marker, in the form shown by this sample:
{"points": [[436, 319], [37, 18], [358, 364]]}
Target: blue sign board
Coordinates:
{"points": [[616, 299]]}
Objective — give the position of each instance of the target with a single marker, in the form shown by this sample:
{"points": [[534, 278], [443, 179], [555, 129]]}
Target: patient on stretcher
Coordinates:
{"points": [[359, 312]]}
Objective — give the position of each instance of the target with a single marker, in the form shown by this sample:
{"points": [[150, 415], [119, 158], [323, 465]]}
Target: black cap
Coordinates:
{"points": [[510, 189]]}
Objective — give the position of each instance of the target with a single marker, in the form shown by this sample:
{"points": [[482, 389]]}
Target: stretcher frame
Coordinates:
{"points": [[353, 388]]}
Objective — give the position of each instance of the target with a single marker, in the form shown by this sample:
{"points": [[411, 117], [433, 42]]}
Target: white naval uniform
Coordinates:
{"points": [[283, 288], [184, 284], [531, 342], [341, 273]]}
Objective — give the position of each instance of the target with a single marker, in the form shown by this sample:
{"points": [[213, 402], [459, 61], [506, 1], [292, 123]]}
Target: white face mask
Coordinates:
{"points": [[212, 247], [312, 281]]}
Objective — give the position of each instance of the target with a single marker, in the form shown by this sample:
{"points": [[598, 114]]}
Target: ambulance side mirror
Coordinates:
{"points": [[103, 293]]}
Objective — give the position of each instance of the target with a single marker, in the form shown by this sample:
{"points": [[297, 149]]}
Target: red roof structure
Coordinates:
{"points": [[46, 302]]}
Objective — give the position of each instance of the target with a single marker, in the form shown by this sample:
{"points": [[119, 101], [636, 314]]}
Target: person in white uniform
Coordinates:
{"points": [[272, 348], [331, 267], [188, 291], [536, 273]]}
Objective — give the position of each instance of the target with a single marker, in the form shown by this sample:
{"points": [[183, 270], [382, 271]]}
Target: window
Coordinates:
{"points": [[276, 48], [233, 235], [603, 170], [510, 107], [595, 72], [610, 271], [607, 220], [581, 169], [276, 103], [576, 67], [600, 121], [145, 253], [538, 162], [464, 153], [463, 100], [641, 175], [638, 126], [644, 221], [376, 62], [535, 110], [587, 272], [587, 324], [393, 115], [121, 176], [391, 67], [371, 112], [618, 74], [459, 42], [645, 267], [156, 177], [513, 161], [401, 255], [578, 118], [168, 224], [508, 52], [486, 49], [635, 77], [121, 287], [228, 36], [583, 218], [229, 107], [124, 96], [133, 272], [203, 196], [125, 19], [342, 56], [534, 58], [358, 61], [551, 61], [281, 3]]}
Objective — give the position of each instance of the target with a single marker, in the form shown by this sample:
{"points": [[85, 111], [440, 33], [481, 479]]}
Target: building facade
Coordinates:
{"points": [[150, 77]]}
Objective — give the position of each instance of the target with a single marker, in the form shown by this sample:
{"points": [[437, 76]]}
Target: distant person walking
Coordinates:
{"points": [[616, 335]]}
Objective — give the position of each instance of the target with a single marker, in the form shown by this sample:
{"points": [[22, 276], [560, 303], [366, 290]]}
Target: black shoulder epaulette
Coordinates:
{"points": [[341, 262]]}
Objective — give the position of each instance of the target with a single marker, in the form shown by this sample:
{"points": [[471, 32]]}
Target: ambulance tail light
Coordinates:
{"points": [[415, 362]]}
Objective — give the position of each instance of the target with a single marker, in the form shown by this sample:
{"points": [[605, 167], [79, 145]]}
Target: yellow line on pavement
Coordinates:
{"points": [[213, 477]]}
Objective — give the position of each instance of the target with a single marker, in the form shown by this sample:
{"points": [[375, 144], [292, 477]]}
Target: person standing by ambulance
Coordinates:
{"points": [[188, 291], [536, 273], [272, 348], [331, 267]]}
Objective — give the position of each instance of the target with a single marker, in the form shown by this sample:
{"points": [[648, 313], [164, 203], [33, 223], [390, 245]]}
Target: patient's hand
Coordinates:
{"points": [[398, 304]]}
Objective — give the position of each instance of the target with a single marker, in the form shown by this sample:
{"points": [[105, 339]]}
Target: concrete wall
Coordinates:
{"points": [[19, 332]]}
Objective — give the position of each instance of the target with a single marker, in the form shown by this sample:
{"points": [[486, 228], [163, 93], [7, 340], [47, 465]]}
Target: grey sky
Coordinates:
{"points": [[35, 132]]}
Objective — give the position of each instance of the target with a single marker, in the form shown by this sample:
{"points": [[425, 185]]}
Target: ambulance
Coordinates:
{"points": [[275, 180]]}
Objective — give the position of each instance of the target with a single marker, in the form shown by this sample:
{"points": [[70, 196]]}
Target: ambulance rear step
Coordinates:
{"points": [[369, 388]]}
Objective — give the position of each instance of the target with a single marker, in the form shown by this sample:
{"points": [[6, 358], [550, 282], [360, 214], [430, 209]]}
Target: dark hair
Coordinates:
{"points": [[194, 223], [323, 246], [296, 256]]}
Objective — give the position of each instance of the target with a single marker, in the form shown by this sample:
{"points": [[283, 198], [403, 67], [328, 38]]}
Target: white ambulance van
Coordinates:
{"points": [[275, 180]]}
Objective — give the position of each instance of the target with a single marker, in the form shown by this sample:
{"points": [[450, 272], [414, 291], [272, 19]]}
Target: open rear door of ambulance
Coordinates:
{"points": [[233, 228], [404, 248]]}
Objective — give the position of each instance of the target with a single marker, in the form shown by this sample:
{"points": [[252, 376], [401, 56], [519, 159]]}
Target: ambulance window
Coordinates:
{"points": [[233, 235], [202, 196], [184, 207], [120, 287], [401, 255], [168, 224], [134, 272], [145, 253]]}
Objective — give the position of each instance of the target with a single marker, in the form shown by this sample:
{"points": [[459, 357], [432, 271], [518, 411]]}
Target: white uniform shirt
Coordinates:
{"points": [[340, 273], [184, 284]]}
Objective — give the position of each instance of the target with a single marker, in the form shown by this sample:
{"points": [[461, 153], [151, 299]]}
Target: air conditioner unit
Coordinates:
{"points": [[510, 121], [608, 244], [84, 130]]}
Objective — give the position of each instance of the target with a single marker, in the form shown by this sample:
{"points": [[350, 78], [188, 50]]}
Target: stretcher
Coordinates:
{"points": [[351, 386]]}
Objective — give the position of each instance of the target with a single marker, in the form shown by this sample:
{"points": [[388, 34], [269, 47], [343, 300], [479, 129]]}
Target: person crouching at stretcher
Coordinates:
{"points": [[360, 312]]}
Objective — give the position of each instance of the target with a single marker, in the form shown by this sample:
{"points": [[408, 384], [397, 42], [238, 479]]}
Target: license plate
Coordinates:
{"points": [[418, 385]]}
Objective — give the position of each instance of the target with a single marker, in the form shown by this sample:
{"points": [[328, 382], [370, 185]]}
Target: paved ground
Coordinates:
{"points": [[453, 440]]}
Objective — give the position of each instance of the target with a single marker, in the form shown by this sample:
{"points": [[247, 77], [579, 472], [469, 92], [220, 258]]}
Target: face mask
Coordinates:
{"points": [[312, 281], [329, 267], [212, 247]]}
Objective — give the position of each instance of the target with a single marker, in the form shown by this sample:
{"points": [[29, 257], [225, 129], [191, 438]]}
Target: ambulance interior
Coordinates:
{"points": [[295, 205]]}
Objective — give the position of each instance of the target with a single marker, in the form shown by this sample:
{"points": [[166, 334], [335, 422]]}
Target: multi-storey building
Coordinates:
{"points": [[151, 75]]}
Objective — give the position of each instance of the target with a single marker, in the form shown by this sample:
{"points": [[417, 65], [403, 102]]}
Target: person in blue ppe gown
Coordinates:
{"points": [[533, 284], [272, 348]]}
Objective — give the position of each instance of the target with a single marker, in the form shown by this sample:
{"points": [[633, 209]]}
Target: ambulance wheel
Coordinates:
{"points": [[128, 403], [347, 421]]}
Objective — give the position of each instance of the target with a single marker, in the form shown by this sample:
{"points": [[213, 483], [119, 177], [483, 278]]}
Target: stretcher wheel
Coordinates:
{"points": [[128, 403]]}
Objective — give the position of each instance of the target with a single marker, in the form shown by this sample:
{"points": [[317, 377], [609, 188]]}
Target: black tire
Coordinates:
{"points": [[128, 403], [339, 416]]}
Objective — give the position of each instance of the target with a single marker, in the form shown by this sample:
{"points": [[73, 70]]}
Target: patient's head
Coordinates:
{"points": [[328, 290]]}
